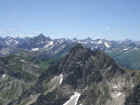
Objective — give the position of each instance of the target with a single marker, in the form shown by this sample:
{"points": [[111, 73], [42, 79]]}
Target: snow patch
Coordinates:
{"points": [[116, 94], [107, 44], [73, 99], [4, 75], [35, 49], [100, 42], [125, 49], [115, 87], [49, 44], [61, 79]]}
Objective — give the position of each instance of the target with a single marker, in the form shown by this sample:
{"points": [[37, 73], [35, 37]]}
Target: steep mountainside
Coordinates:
{"points": [[16, 76], [84, 77]]}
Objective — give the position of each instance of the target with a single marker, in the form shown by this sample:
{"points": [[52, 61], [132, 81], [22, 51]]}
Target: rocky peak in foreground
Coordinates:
{"points": [[84, 77], [82, 65]]}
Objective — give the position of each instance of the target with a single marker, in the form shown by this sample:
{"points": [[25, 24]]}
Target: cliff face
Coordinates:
{"points": [[86, 77]]}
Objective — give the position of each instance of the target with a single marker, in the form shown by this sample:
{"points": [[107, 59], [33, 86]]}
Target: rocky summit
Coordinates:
{"points": [[84, 77]]}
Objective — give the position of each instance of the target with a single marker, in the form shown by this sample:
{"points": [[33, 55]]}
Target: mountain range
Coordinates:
{"points": [[40, 46], [81, 77]]}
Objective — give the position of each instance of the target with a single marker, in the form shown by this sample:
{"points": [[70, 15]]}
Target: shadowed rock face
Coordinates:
{"points": [[134, 98], [95, 76]]}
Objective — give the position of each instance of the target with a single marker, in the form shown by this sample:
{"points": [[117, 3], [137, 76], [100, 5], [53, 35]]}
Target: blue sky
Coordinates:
{"points": [[111, 19]]}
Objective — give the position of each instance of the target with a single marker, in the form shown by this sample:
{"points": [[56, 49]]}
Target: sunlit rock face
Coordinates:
{"points": [[119, 89]]}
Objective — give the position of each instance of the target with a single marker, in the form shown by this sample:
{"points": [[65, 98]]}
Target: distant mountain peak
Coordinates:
{"points": [[41, 36], [78, 46]]}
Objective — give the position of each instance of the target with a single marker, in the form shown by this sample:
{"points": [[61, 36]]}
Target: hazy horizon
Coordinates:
{"points": [[114, 20], [71, 36]]}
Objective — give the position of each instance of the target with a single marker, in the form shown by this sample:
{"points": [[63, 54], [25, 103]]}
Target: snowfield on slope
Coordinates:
{"points": [[73, 99]]}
